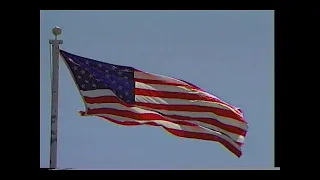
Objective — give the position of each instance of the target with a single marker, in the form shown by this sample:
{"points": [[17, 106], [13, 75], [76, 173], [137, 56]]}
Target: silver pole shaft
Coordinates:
{"points": [[54, 97]]}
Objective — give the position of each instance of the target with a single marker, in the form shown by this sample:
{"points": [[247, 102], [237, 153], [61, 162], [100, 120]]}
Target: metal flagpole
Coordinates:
{"points": [[54, 97]]}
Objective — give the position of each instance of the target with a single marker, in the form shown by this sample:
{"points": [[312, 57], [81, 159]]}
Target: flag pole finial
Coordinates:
{"points": [[54, 95], [56, 31]]}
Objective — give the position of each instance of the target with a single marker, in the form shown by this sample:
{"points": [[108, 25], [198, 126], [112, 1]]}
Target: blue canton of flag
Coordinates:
{"points": [[90, 74]]}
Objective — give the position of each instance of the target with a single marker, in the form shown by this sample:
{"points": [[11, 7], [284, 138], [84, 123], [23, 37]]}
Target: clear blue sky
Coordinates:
{"points": [[228, 53]]}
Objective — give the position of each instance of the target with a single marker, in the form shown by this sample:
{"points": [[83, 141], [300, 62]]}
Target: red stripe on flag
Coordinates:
{"points": [[187, 96], [184, 134], [212, 121]]}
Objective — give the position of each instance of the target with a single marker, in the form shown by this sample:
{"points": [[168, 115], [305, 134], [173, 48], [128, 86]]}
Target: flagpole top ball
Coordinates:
{"points": [[56, 30]]}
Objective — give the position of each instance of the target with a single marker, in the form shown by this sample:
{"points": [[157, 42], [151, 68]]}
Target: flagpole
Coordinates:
{"points": [[54, 96]]}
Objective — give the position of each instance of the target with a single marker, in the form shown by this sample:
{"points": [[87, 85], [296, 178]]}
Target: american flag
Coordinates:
{"points": [[127, 96]]}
